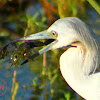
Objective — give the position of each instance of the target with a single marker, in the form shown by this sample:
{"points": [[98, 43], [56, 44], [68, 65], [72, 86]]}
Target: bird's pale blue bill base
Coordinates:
{"points": [[23, 50]]}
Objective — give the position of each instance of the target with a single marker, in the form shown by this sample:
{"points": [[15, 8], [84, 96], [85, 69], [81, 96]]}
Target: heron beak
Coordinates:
{"points": [[39, 36], [42, 35]]}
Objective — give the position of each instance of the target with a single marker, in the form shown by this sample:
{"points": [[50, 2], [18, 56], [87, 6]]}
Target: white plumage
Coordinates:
{"points": [[79, 62]]}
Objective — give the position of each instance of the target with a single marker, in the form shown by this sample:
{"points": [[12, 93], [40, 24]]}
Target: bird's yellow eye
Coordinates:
{"points": [[53, 34]]}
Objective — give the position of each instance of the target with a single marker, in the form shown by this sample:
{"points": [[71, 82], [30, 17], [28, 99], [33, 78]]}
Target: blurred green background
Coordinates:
{"points": [[40, 79]]}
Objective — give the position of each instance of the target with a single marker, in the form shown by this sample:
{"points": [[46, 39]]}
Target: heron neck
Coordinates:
{"points": [[72, 65]]}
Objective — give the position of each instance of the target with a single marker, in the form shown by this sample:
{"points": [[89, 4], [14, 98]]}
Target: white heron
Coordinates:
{"points": [[79, 62]]}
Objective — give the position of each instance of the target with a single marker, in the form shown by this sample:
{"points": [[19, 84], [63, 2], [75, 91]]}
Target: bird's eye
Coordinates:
{"points": [[54, 34]]}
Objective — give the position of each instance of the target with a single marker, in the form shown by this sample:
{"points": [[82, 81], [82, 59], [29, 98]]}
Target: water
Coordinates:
{"points": [[24, 77]]}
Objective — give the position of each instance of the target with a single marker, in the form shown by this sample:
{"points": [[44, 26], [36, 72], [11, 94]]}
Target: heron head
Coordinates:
{"points": [[63, 33]]}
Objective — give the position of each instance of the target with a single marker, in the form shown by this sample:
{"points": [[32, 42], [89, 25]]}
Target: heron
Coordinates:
{"points": [[81, 59]]}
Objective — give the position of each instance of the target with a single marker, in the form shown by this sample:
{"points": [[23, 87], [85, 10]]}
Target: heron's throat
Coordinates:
{"points": [[72, 58], [78, 60]]}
